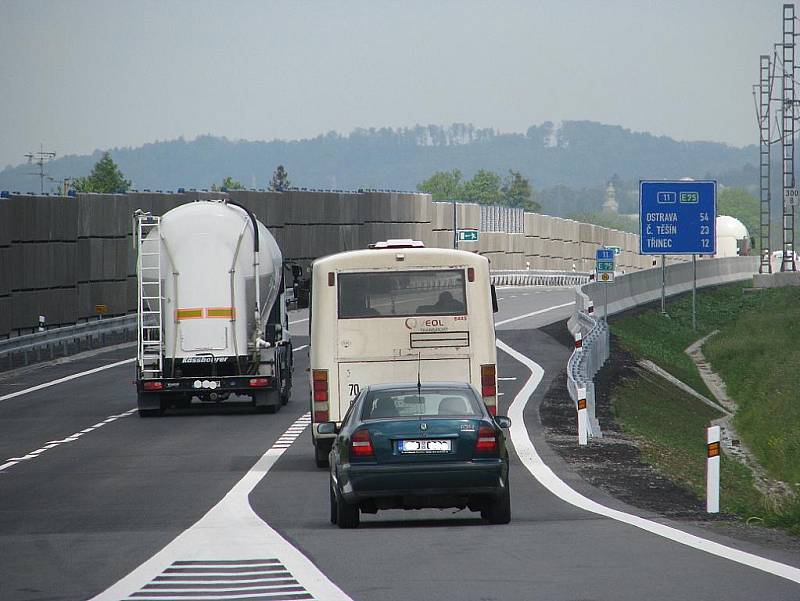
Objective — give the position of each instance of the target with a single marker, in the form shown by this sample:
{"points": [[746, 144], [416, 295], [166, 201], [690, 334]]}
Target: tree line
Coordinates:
{"points": [[486, 187]]}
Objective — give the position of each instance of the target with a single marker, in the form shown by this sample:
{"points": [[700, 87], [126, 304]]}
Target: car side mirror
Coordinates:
{"points": [[502, 421], [327, 428]]}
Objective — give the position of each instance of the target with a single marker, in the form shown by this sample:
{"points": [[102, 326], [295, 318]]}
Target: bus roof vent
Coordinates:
{"points": [[399, 243]]}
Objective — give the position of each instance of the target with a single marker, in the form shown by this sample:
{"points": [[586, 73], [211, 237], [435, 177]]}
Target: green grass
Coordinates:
{"points": [[755, 329]]}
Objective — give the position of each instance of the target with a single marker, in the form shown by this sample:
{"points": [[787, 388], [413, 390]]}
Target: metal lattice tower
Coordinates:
{"points": [[787, 112], [764, 97]]}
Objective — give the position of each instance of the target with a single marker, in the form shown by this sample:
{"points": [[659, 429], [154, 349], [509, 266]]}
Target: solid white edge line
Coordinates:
{"points": [[542, 472], [65, 379], [291, 323], [539, 312]]}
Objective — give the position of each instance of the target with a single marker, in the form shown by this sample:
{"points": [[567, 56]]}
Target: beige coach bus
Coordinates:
{"points": [[398, 312]]}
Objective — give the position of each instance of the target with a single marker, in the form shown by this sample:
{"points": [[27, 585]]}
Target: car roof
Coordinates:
{"points": [[412, 386]]}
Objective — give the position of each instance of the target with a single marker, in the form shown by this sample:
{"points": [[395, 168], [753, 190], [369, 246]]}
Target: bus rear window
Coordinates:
{"points": [[402, 293]]}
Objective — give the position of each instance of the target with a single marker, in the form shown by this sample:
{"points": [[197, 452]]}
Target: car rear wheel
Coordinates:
{"points": [[347, 515], [333, 504], [498, 511]]}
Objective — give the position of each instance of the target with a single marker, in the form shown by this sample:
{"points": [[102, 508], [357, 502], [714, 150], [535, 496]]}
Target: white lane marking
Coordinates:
{"points": [[55, 443], [507, 379], [73, 437], [534, 464], [65, 379], [231, 530], [291, 323], [539, 312]]}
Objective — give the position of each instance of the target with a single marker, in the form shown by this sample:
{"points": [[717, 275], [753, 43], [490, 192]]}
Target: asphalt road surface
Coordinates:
{"points": [[95, 501]]}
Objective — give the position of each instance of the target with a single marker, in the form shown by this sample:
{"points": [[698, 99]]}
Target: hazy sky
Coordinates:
{"points": [[81, 75]]}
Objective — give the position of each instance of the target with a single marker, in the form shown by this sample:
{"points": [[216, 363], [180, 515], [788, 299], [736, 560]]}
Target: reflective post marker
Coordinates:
{"points": [[712, 469], [583, 418]]}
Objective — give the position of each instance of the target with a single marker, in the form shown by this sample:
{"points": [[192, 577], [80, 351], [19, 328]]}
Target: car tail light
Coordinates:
{"points": [[360, 444], [487, 441], [319, 383], [489, 387], [471, 274], [259, 382], [153, 386]]}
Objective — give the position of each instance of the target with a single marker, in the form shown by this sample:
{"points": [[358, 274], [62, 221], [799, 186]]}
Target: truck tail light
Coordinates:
{"points": [[259, 382], [361, 444], [153, 386], [319, 390], [487, 441], [489, 387]]}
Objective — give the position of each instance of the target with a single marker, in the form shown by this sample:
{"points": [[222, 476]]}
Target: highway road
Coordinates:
{"points": [[227, 504]]}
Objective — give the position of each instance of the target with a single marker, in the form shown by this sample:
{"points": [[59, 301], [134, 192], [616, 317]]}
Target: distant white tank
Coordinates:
{"points": [[733, 239], [207, 267]]}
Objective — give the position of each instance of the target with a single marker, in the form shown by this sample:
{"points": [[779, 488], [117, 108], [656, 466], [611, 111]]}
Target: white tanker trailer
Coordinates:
{"points": [[206, 330]]}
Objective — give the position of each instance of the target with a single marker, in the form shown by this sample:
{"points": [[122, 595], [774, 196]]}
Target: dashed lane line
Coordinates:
{"points": [[542, 472], [12, 461]]}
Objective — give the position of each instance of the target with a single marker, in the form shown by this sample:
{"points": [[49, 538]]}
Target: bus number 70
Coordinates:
{"points": [[354, 390]]}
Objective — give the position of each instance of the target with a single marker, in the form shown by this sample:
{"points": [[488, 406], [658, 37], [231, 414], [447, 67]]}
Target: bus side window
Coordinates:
{"points": [[494, 299]]}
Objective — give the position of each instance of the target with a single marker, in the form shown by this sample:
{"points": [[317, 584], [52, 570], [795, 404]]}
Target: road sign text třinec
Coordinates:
{"points": [[677, 217]]}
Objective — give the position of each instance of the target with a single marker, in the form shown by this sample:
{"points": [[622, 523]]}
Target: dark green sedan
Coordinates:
{"points": [[412, 446]]}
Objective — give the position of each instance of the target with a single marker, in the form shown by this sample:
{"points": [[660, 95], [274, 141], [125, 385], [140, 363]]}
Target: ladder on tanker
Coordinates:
{"points": [[150, 305]]}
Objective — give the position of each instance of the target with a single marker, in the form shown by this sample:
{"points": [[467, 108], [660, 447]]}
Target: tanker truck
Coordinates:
{"points": [[212, 321]]}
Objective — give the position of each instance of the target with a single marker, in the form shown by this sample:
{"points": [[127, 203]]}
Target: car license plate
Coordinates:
{"points": [[424, 446]]}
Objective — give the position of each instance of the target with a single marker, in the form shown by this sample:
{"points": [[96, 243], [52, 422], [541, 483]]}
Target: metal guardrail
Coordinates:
{"points": [[591, 351], [58, 342], [538, 277]]}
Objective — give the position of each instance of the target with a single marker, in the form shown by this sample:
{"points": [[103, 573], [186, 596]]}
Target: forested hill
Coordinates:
{"points": [[574, 153]]}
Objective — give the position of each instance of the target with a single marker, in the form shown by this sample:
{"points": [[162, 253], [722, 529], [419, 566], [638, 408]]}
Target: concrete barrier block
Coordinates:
{"points": [[516, 243], [5, 272], [442, 216], [469, 215], [132, 291]]}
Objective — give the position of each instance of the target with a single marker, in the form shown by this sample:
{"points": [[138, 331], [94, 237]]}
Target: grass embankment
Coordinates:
{"points": [[755, 329]]}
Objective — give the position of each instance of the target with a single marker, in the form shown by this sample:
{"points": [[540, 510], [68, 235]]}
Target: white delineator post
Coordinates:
{"points": [[583, 418], [712, 469]]}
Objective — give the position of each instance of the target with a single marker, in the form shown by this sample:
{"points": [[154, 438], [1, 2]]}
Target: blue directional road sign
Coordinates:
{"points": [[677, 217], [604, 258]]}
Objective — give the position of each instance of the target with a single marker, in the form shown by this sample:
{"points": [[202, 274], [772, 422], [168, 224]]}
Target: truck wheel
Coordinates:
{"points": [[321, 451], [498, 511], [347, 515]]}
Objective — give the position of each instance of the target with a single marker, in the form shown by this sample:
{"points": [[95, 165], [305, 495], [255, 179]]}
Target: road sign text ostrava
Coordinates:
{"points": [[677, 217]]}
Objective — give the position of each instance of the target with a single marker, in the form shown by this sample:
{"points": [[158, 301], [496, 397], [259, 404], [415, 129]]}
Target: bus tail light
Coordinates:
{"points": [[361, 444], [319, 383], [471, 274], [487, 440], [489, 387]]}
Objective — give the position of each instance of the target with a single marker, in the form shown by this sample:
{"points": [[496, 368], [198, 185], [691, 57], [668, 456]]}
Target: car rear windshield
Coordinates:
{"points": [[402, 293], [431, 403]]}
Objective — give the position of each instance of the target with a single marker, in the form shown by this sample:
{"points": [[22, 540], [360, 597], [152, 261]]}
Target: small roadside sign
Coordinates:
{"points": [[467, 235], [615, 249], [101, 309], [790, 197], [604, 258], [606, 276]]}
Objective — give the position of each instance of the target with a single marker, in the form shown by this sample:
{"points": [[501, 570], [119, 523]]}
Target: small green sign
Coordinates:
{"points": [[605, 266], [468, 235]]}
